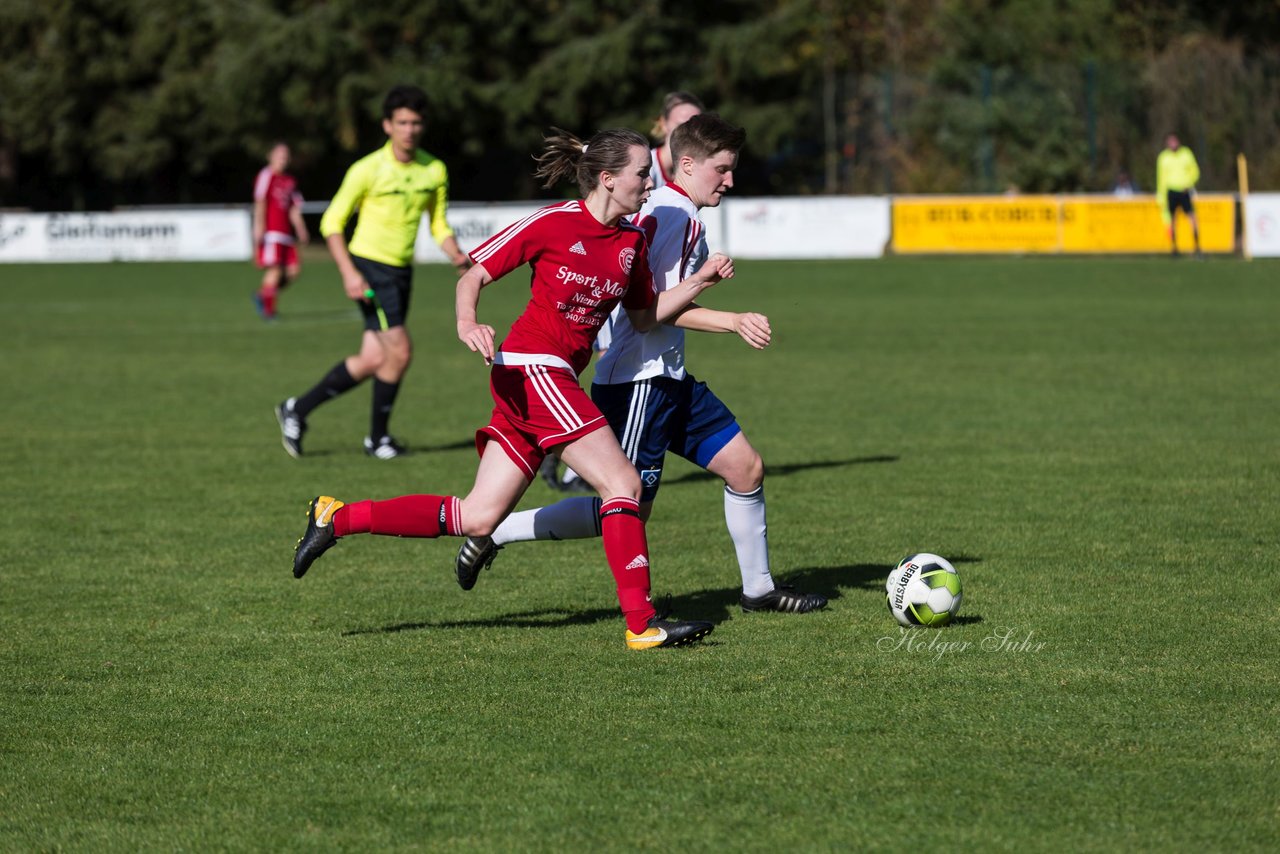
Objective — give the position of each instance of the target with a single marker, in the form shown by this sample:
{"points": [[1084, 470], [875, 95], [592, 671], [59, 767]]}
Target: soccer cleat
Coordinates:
{"points": [[385, 448], [259, 306], [578, 485], [668, 633], [292, 426], [475, 554], [548, 471], [784, 598], [318, 537]]}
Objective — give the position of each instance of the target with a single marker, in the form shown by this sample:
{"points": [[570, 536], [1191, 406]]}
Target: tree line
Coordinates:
{"points": [[118, 102]]}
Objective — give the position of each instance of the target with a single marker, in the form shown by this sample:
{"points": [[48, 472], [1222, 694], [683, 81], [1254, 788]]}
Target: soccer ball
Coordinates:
{"points": [[923, 590]]}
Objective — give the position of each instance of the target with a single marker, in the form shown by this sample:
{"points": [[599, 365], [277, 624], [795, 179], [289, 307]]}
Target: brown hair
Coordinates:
{"points": [[704, 135], [669, 102], [568, 158]]}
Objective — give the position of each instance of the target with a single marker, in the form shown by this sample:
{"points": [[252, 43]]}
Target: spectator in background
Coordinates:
{"points": [[277, 228], [1124, 187], [394, 188], [677, 108], [1176, 175]]}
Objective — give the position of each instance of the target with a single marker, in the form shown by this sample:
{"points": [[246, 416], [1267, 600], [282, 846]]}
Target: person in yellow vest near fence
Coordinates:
{"points": [[1176, 176]]}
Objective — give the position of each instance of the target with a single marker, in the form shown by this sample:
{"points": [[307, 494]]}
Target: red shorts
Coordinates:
{"points": [[536, 407], [271, 254]]}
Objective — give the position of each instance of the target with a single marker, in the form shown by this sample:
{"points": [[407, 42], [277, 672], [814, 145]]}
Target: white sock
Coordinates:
{"points": [[744, 516], [569, 475], [570, 519]]}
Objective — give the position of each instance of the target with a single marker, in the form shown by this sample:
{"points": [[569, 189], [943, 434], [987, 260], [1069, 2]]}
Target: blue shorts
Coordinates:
{"points": [[656, 415]]}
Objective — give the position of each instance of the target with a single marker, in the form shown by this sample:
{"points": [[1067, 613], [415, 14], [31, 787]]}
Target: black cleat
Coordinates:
{"points": [[475, 554], [386, 448], [318, 537], [578, 485], [548, 471], [784, 598], [662, 632], [292, 426]]}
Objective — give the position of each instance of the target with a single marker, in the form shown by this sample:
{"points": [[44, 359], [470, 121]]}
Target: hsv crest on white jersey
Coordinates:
{"points": [[581, 270], [677, 248]]}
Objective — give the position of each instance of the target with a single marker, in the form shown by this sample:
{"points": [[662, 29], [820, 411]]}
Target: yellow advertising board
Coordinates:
{"points": [[1100, 224], [1052, 224], [975, 224]]}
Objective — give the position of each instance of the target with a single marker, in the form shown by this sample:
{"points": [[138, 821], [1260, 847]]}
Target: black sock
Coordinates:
{"points": [[337, 381], [384, 397]]}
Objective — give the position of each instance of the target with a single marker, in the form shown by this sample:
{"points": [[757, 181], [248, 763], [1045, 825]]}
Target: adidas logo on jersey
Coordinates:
{"points": [[638, 562], [578, 248]]}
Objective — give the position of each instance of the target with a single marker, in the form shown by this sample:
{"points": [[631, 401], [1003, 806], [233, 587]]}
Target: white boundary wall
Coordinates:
{"points": [[1262, 224], [778, 228], [160, 235]]}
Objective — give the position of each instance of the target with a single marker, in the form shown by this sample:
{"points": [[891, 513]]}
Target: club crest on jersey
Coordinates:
{"points": [[625, 259]]}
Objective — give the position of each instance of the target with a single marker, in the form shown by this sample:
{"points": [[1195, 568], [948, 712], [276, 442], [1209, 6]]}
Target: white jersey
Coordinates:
{"points": [[677, 248]]}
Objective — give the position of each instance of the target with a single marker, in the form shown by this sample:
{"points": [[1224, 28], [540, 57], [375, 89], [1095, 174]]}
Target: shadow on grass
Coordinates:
{"points": [[785, 469], [830, 581], [545, 618], [461, 445], [714, 605]]}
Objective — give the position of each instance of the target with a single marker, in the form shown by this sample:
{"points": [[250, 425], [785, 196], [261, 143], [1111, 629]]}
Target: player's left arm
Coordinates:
{"points": [[748, 325]]}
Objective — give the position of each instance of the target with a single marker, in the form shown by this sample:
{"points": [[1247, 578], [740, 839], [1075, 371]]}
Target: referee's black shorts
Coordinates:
{"points": [[1180, 199], [391, 289]]}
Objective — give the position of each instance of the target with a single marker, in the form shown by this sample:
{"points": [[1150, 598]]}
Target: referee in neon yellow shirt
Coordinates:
{"points": [[1176, 176], [394, 189]]}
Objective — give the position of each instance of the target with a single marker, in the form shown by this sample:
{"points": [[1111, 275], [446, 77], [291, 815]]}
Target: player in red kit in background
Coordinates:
{"points": [[585, 259], [277, 228]]}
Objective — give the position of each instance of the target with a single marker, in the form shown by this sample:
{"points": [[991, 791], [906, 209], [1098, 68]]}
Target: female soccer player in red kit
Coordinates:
{"points": [[585, 258]]}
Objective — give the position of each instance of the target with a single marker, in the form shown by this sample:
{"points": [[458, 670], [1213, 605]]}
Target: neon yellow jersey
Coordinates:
{"points": [[1175, 170], [392, 197]]}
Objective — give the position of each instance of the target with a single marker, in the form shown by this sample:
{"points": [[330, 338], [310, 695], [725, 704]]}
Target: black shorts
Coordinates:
{"points": [[391, 289], [1180, 199]]}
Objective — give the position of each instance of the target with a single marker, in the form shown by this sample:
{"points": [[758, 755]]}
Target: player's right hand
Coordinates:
{"points": [[716, 268], [355, 285], [478, 337]]}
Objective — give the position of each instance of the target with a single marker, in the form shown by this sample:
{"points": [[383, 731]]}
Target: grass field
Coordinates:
{"points": [[1093, 443]]}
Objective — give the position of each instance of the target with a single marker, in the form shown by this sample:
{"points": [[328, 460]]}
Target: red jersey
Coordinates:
{"points": [[581, 270], [281, 194]]}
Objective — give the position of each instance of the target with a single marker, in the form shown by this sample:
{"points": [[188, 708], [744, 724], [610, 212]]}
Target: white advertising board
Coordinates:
{"points": [[473, 223], [1262, 224], [165, 235], [803, 227], [796, 227]]}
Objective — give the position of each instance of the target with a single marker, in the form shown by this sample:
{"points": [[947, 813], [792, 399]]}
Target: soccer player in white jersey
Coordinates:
{"points": [[585, 258], [653, 404]]}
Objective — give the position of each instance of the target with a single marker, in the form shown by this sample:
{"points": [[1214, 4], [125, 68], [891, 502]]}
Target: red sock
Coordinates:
{"points": [[268, 301], [407, 516], [627, 551]]}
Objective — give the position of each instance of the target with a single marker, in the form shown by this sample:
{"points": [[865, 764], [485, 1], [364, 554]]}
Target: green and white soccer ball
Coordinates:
{"points": [[923, 590]]}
